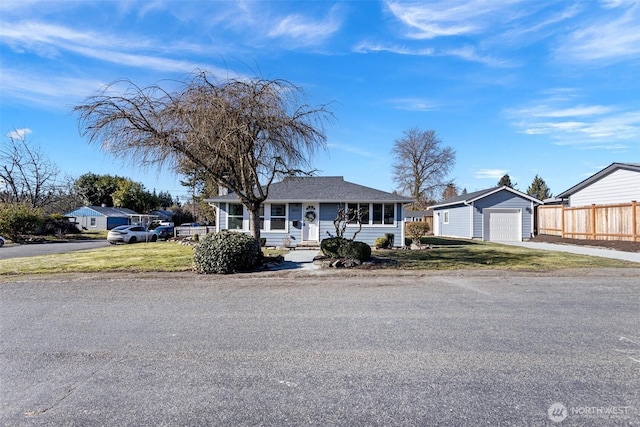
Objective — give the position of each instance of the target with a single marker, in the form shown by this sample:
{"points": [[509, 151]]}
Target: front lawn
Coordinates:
{"points": [[444, 254], [452, 254]]}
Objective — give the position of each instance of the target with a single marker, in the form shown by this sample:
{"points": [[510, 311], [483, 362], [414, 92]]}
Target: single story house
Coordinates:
{"points": [[494, 214], [105, 218], [301, 210], [615, 184]]}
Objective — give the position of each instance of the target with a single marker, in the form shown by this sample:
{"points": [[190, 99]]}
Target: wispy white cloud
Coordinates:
{"points": [[584, 126], [413, 104], [428, 20], [490, 173], [18, 133], [613, 36], [49, 40], [348, 148], [303, 30], [58, 91], [365, 47]]}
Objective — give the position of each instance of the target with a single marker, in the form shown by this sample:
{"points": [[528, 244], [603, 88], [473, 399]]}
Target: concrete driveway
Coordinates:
{"points": [[582, 250], [348, 349]]}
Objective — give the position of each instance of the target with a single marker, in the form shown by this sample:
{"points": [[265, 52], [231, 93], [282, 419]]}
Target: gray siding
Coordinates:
{"points": [[459, 221], [327, 213], [503, 200], [368, 234]]}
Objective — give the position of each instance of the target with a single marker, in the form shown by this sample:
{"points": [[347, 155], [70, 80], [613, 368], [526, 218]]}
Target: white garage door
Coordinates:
{"points": [[504, 225]]}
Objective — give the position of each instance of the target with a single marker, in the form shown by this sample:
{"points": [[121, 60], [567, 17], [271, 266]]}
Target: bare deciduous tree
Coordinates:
{"points": [[242, 133], [347, 216], [26, 174], [421, 164]]}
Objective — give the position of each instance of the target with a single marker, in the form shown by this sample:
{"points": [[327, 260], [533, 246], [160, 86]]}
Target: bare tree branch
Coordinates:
{"points": [[241, 133], [26, 174], [421, 164]]}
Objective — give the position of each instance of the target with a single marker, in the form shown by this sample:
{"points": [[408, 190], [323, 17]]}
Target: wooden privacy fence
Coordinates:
{"points": [[597, 222]]}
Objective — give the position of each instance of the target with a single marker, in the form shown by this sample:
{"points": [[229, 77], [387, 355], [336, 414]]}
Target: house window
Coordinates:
{"points": [[92, 222], [235, 216], [445, 216], [364, 212], [383, 213], [278, 217]]}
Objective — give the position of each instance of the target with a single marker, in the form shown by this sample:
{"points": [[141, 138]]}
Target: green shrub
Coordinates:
{"points": [[415, 230], [17, 220], [355, 250], [381, 243], [57, 224], [331, 246], [339, 247], [226, 252]]}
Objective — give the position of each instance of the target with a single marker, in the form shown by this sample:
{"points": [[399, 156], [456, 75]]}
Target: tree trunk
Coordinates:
{"points": [[254, 221]]}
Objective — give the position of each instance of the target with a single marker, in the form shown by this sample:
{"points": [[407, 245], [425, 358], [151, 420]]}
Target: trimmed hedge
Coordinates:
{"points": [[339, 247], [226, 252]]}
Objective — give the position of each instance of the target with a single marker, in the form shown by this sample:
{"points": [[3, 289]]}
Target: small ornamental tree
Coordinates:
{"points": [[415, 230], [345, 217]]}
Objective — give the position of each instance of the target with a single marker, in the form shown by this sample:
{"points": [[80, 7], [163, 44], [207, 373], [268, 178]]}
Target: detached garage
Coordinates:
{"points": [[498, 214]]}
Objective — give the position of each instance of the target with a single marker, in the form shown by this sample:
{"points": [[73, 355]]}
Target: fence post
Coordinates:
{"points": [[593, 221], [562, 218], [634, 220]]}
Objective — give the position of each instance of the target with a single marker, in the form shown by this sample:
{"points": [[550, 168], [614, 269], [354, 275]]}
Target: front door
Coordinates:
{"points": [[310, 223]]}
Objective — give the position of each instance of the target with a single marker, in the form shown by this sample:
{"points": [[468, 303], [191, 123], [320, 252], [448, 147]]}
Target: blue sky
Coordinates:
{"points": [[519, 87]]}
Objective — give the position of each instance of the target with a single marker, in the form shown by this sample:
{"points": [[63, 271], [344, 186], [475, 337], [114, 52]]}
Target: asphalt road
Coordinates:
{"points": [[353, 349], [18, 251]]}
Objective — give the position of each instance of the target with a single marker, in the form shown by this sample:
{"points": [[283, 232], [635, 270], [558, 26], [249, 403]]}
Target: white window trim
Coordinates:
{"points": [[445, 217], [370, 224], [266, 216]]}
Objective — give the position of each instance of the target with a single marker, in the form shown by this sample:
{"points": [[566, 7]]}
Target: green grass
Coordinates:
{"points": [[140, 257], [452, 254], [446, 254]]}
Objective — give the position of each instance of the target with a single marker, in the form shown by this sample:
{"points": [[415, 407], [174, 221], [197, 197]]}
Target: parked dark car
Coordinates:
{"points": [[2, 241], [164, 232]]}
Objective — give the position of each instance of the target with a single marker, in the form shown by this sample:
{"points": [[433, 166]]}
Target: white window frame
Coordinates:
{"points": [[242, 217], [445, 217], [370, 223], [93, 222], [266, 218]]}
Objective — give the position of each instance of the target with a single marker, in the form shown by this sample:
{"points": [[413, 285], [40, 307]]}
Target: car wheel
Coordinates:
{"points": [[154, 238], [1, 243], [133, 239]]}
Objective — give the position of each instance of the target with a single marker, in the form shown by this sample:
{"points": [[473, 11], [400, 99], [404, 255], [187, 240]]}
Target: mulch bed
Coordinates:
{"points": [[619, 245]]}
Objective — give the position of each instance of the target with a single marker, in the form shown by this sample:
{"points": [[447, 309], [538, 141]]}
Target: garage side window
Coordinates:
{"points": [[445, 217], [92, 222]]}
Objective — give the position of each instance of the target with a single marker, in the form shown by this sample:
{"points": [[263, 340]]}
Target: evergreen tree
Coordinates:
{"points": [[506, 180], [539, 189], [449, 191]]}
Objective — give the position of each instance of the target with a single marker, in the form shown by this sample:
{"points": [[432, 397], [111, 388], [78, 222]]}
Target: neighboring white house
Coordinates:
{"points": [[617, 183], [302, 209]]}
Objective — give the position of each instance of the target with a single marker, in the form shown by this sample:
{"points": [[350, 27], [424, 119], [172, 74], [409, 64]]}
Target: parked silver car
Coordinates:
{"points": [[131, 234]]}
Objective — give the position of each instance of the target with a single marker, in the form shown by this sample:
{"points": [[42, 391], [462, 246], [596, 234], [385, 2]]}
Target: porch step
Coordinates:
{"points": [[308, 246]]}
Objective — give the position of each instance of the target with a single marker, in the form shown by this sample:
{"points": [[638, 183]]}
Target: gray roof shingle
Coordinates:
{"points": [[322, 189]]}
